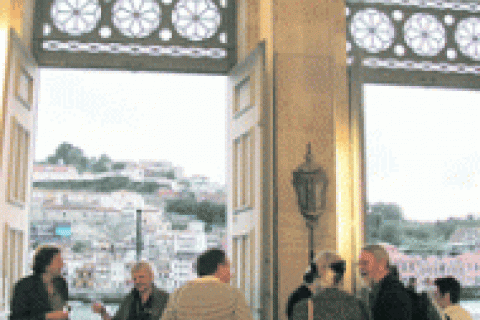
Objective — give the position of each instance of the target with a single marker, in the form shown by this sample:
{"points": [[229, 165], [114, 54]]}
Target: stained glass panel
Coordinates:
{"points": [[196, 20], [167, 35], [75, 17], [372, 30], [424, 34], [136, 19], [414, 35]]}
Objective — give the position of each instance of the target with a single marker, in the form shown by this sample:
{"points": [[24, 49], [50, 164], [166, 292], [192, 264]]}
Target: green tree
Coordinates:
{"points": [[79, 246], [209, 212], [389, 211], [113, 183], [170, 175], [103, 164], [445, 228], [147, 187], [391, 234], [118, 166], [67, 153]]}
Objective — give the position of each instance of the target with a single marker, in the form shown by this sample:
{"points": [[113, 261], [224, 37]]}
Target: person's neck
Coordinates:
{"points": [[146, 294], [47, 277], [446, 305], [380, 276]]}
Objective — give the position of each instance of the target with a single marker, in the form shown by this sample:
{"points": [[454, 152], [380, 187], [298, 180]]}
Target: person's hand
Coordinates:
{"points": [[98, 308], [57, 315]]}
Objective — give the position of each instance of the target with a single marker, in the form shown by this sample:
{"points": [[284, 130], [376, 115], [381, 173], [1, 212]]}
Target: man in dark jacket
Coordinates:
{"points": [[388, 298], [144, 302]]}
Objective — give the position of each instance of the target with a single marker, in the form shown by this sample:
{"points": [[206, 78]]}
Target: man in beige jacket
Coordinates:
{"points": [[210, 296]]}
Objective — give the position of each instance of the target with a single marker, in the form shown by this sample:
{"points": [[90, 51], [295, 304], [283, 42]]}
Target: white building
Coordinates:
{"points": [[119, 276]]}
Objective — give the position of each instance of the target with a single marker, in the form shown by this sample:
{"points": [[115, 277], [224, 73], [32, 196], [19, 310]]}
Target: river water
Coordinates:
{"points": [[473, 307], [82, 311]]}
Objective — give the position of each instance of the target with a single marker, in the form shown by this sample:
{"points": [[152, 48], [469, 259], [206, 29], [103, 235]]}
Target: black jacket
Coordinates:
{"points": [[159, 302], [30, 298], [393, 302], [331, 304]]}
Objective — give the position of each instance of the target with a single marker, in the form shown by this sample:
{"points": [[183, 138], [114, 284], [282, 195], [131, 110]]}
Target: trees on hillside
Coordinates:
{"points": [[209, 212], [388, 211], [67, 153]]}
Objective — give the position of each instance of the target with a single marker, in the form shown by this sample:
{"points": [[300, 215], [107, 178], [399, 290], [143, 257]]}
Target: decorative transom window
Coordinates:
{"points": [[196, 20], [167, 35], [136, 19], [414, 35], [372, 30], [75, 18]]}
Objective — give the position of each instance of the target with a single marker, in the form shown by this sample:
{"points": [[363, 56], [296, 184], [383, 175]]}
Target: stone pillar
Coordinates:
{"points": [[18, 14], [307, 89]]}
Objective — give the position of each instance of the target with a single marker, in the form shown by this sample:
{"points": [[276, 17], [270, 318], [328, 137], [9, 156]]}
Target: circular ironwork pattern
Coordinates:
{"points": [[75, 17], [136, 18], [196, 19], [424, 34], [467, 36], [372, 30]]}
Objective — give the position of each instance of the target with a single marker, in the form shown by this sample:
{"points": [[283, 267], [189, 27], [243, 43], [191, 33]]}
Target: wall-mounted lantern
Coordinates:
{"points": [[310, 183]]}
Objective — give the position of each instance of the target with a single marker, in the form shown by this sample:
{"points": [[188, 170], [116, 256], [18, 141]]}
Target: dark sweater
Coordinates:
{"points": [[159, 301], [30, 298], [331, 303], [392, 301]]}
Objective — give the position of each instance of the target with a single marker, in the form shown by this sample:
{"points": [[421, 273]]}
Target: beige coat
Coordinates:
{"points": [[456, 312], [207, 298]]}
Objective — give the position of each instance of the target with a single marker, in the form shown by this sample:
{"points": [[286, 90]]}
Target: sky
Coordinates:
{"points": [[422, 150], [135, 116]]}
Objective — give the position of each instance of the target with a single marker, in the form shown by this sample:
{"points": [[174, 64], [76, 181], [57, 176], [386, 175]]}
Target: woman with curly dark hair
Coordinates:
{"points": [[44, 294]]}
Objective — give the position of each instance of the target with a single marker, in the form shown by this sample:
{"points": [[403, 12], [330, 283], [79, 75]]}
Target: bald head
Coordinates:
{"points": [[374, 263], [380, 254]]}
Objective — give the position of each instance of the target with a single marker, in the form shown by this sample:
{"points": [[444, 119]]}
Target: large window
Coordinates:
{"points": [[128, 166], [423, 180]]}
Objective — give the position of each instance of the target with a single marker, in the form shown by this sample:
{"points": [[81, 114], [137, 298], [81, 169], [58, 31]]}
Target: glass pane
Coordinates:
{"points": [[423, 178], [133, 153]]}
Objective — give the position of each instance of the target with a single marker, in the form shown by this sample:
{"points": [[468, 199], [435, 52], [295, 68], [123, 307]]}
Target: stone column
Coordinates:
{"points": [[307, 89], [18, 14]]}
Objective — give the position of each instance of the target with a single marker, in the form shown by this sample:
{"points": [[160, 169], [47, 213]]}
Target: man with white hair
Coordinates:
{"points": [[389, 299], [144, 302]]}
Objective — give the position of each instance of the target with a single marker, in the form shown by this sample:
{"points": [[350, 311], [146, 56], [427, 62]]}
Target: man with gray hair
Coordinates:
{"points": [[144, 302], [389, 299]]}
